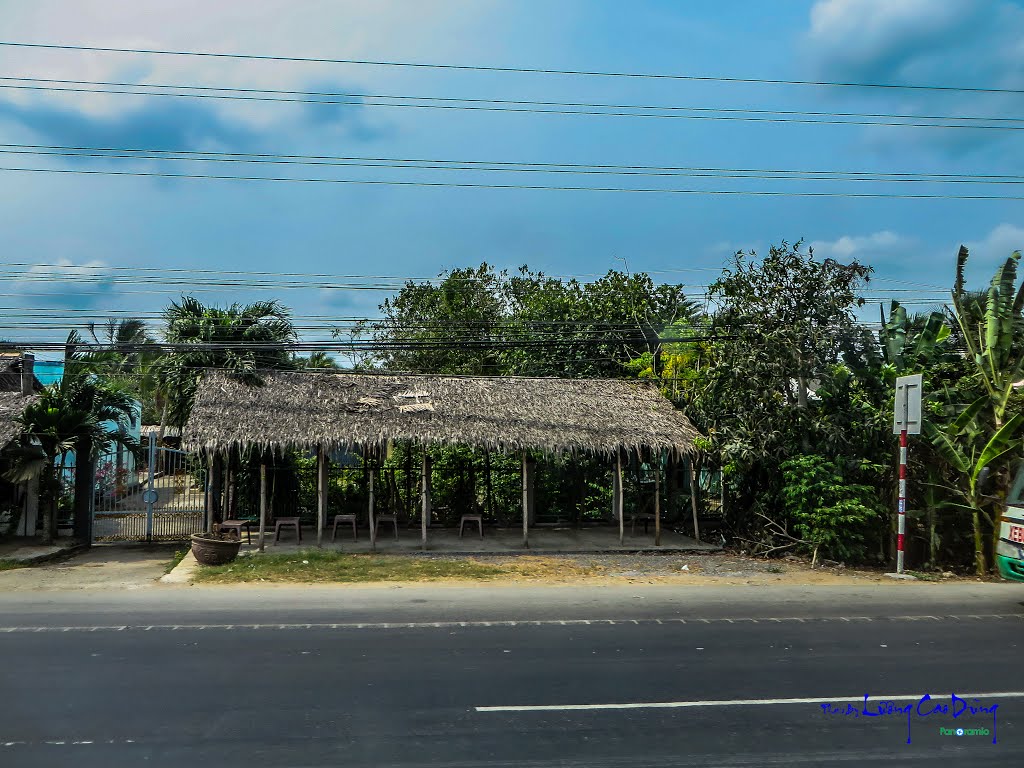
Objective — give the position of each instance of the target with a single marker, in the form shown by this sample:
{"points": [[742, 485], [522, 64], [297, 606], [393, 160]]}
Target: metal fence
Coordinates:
{"points": [[160, 497]]}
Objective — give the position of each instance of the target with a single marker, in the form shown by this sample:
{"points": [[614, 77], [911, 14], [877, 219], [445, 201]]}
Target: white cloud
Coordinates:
{"points": [[999, 243], [864, 248], [865, 34], [941, 42], [347, 29], [63, 282]]}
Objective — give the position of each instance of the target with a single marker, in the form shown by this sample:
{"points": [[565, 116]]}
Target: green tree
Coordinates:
{"points": [[454, 326], [993, 333], [80, 413], [782, 325], [240, 340]]}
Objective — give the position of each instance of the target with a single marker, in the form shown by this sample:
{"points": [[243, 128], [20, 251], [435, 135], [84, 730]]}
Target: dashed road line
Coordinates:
{"points": [[492, 624]]}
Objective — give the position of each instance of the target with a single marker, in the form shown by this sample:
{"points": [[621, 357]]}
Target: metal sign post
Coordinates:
{"points": [[906, 421]]}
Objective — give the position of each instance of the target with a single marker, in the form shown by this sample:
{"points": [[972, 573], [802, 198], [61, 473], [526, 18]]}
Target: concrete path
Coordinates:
{"points": [[30, 550], [103, 567]]}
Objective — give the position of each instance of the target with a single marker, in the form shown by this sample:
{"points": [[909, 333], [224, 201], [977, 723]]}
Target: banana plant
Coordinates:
{"points": [[963, 446], [993, 332], [904, 346]]}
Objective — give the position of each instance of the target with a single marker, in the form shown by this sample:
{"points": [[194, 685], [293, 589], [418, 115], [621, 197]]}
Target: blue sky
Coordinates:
{"points": [[105, 222]]}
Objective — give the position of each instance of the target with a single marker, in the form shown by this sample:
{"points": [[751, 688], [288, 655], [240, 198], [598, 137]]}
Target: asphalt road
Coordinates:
{"points": [[425, 677]]}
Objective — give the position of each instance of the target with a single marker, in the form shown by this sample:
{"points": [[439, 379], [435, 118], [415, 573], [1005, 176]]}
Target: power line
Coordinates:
{"points": [[472, 164], [554, 188], [237, 158], [525, 106], [751, 115], [518, 70]]}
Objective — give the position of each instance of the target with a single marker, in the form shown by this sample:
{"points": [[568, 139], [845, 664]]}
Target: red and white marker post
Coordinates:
{"points": [[906, 420], [901, 511]]}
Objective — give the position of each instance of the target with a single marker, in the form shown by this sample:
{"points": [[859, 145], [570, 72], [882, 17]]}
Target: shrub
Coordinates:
{"points": [[830, 513]]}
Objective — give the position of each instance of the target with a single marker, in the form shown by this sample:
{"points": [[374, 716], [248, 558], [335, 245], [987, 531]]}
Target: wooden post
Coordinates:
{"points": [[694, 486], [263, 502], [618, 474], [321, 494], [425, 509], [615, 494], [373, 524], [526, 505], [657, 499]]}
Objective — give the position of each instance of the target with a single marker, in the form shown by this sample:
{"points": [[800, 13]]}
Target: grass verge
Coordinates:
{"points": [[314, 567], [10, 565], [178, 557]]}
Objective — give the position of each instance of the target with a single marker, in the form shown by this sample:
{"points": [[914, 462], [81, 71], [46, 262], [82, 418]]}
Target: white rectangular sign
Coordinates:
{"points": [[908, 405]]}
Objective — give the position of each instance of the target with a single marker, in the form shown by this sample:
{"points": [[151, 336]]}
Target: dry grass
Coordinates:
{"points": [[314, 567]]}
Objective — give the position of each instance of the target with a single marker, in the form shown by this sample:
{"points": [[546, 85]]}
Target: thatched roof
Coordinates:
{"points": [[344, 411], [11, 406]]}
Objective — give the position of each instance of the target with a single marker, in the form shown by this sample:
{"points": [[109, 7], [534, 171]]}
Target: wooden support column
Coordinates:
{"points": [[373, 523], [321, 494], [657, 499], [263, 503], [214, 502], [618, 476], [615, 494], [526, 504], [425, 508], [694, 487]]}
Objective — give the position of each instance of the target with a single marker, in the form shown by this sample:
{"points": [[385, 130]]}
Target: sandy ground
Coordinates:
{"points": [[126, 568]]}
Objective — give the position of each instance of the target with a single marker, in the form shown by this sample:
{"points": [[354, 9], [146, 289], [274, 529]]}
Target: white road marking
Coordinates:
{"points": [[733, 702], [507, 623]]}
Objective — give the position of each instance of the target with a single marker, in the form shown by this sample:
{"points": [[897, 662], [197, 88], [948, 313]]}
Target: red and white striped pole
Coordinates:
{"points": [[901, 508], [902, 503]]}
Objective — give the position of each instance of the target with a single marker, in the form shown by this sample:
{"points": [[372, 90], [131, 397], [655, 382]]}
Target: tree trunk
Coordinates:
{"points": [[50, 507], [979, 546], [801, 401], [1002, 490], [84, 476]]}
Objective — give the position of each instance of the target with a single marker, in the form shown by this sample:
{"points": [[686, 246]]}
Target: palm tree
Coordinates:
{"points": [[317, 361], [240, 340], [74, 414]]}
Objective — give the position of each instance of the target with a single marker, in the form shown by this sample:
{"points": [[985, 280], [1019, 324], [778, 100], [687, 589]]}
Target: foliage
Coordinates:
{"points": [[986, 434], [525, 324], [238, 339], [784, 323], [829, 512]]}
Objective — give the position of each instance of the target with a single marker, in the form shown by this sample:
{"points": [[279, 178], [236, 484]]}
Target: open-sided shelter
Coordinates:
{"points": [[324, 412]]}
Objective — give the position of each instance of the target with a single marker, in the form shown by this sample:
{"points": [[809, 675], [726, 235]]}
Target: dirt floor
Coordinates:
{"points": [[138, 567]]}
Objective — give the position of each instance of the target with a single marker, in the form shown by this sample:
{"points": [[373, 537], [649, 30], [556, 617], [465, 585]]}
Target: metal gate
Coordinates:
{"points": [[161, 497]]}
